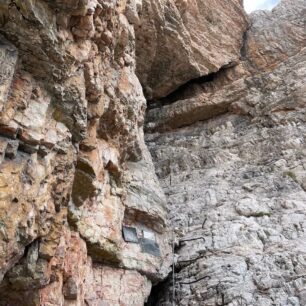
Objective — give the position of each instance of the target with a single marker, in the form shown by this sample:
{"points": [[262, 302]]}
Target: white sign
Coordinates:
{"points": [[148, 235]]}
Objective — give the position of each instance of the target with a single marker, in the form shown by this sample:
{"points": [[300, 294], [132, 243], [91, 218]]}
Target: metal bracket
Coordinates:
{"points": [[191, 239]]}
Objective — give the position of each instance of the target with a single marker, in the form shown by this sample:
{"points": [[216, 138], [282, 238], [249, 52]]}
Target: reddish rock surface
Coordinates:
{"points": [[74, 167], [83, 218]]}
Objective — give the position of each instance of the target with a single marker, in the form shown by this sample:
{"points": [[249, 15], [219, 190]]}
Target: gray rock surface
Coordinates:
{"points": [[83, 217], [231, 157]]}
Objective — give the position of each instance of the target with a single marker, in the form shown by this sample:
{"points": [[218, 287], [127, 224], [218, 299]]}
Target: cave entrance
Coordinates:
{"points": [[158, 294]]}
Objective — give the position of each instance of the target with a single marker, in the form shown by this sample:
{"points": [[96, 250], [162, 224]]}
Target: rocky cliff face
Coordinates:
{"points": [[230, 154], [75, 170], [83, 219]]}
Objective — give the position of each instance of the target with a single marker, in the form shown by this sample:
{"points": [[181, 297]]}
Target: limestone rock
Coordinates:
{"points": [[230, 156], [83, 217], [185, 39], [72, 113], [275, 36], [9, 55]]}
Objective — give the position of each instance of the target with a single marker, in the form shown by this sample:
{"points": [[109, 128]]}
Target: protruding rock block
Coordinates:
{"points": [[177, 41]]}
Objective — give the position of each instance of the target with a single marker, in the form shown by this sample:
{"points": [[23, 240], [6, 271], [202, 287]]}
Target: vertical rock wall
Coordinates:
{"points": [[74, 168], [83, 220], [230, 155]]}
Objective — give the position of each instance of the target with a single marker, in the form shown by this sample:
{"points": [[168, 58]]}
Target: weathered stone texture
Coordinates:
{"points": [[235, 176], [72, 157], [225, 126], [275, 36], [179, 40]]}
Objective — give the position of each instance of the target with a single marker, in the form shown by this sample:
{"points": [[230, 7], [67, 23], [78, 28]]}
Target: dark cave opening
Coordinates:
{"points": [[158, 292], [187, 89]]}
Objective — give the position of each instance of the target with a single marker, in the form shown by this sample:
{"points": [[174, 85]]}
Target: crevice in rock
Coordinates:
{"points": [[188, 89], [157, 292], [22, 260], [243, 50]]}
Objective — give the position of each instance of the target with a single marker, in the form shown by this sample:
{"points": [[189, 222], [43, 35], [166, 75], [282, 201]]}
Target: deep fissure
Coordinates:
{"points": [[185, 91]]}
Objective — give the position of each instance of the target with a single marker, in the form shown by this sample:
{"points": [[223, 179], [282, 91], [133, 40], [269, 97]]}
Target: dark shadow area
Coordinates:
{"points": [[158, 291], [186, 90]]}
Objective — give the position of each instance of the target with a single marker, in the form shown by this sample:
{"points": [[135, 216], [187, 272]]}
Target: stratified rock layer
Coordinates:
{"points": [[179, 40], [74, 167], [230, 154], [83, 220]]}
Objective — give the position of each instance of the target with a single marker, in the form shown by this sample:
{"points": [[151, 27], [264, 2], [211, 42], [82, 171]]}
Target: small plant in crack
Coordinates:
{"points": [[290, 174]]}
